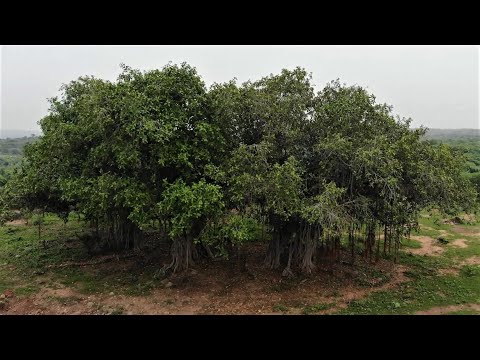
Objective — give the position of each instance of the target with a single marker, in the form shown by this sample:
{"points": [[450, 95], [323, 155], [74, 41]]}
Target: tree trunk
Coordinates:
{"points": [[385, 237], [272, 259], [182, 254]]}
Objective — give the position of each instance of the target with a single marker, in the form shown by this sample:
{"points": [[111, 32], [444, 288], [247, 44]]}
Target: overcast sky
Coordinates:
{"points": [[437, 86]]}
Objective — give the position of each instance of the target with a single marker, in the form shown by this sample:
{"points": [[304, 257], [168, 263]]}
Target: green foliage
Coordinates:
{"points": [[14, 146], [231, 230], [185, 206], [239, 229], [280, 308]]}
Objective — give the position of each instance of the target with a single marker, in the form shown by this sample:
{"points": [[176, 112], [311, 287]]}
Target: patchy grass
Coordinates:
{"points": [[419, 295], [280, 308], [313, 309], [26, 291], [425, 290], [284, 285], [23, 258], [371, 277], [411, 243], [119, 310], [464, 312], [66, 300], [23, 255], [470, 271]]}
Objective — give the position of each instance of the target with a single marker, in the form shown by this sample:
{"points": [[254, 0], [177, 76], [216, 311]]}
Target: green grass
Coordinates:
{"points": [[23, 257], [411, 243], [420, 294], [313, 309], [280, 308], [371, 277], [6, 281], [26, 291], [426, 289]]}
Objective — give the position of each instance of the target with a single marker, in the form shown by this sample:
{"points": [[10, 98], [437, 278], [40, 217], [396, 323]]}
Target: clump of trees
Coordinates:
{"points": [[214, 169]]}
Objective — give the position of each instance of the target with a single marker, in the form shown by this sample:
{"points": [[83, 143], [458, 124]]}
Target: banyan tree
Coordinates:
{"points": [[321, 173]]}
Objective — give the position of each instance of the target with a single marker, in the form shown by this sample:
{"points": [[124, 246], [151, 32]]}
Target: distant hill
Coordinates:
{"points": [[14, 146], [15, 133], [441, 134]]}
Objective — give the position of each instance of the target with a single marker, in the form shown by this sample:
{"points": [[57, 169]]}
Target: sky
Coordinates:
{"points": [[436, 86]]}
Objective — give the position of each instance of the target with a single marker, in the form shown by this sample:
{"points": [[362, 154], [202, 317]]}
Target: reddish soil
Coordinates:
{"points": [[469, 231], [16, 222], [212, 288], [460, 243], [474, 260], [449, 271], [429, 246], [448, 309]]}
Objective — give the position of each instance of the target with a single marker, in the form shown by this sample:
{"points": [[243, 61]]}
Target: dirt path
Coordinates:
{"points": [[460, 243], [474, 260], [429, 246], [468, 231], [16, 222], [239, 295], [357, 294], [448, 309], [65, 300]]}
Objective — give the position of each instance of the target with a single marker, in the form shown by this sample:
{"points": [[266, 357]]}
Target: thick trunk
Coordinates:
{"points": [[305, 249], [287, 272], [182, 254], [307, 264], [272, 260]]}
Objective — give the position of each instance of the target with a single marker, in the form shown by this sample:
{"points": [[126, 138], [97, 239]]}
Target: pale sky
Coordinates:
{"points": [[437, 86]]}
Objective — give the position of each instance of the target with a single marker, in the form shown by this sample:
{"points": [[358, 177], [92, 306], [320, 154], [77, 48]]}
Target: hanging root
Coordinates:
{"points": [[287, 272], [272, 259], [182, 255]]}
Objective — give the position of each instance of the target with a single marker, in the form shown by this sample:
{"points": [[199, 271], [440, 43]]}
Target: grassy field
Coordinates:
{"points": [[452, 278], [56, 274]]}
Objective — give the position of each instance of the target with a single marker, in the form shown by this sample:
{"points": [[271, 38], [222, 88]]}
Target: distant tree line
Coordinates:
{"points": [[213, 169], [11, 151], [15, 146]]}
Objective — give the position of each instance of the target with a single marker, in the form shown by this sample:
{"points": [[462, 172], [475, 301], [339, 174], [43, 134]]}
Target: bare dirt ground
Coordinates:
{"points": [[465, 230], [16, 222], [429, 246], [449, 309], [450, 271], [460, 243], [211, 288], [474, 260]]}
